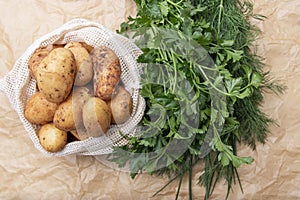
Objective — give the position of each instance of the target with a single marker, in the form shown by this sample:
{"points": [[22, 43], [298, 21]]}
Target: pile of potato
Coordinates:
{"points": [[79, 93]]}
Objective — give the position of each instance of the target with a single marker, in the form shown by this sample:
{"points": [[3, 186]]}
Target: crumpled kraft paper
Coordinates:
{"points": [[27, 174]]}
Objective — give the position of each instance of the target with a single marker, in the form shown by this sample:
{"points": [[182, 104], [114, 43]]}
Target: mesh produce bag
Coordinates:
{"points": [[19, 86]]}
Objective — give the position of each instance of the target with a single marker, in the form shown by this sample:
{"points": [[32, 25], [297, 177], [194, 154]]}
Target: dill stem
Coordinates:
{"points": [[179, 185], [190, 178]]}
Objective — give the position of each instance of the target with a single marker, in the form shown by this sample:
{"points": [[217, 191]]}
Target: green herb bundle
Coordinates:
{"points": [[203, 83]]}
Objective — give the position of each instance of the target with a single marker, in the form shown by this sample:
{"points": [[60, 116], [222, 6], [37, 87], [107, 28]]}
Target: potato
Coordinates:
{"points": [[51, 138], [56, 75], [96, 117], [38, 56], [75, 134], [73, 44], [80, 97], [64, 116], [36, 59], [68, 115], [83, 63], [80, 134], [39, 110], [107, 72], [89, 48], [120, 106], [54, 46]]}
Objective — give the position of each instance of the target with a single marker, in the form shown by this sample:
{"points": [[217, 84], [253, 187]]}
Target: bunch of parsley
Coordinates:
{"points": [[203, 85]]}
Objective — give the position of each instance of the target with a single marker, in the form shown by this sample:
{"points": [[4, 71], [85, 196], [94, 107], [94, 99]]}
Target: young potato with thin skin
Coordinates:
{"points": [[80, 97], [36, 59], [96, 117], [38, 110], [51, 138], [80, 134], [56, 75], [107, 72], [83, 63], [89, 48], [68, 115], [38, 56], [72, 45], [64, 116], [120, 106]]}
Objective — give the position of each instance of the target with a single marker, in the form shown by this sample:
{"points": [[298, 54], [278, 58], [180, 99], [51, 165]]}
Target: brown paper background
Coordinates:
{"points": [[27, 174]]}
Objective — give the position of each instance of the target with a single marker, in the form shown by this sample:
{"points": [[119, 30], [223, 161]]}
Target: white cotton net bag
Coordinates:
{"points": [[19, 86]]}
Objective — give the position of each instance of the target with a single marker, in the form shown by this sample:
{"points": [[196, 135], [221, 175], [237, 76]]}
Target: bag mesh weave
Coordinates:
{"points": [[18, 85]]}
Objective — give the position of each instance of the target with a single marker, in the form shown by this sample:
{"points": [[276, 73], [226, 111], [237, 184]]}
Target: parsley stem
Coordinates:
{"points": [[175, 71], [175, 4], [221, 7], [210, 83], [165, 59]]}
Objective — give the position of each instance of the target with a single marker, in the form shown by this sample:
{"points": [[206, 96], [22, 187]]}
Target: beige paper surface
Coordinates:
{"points": [[27, 174]]}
